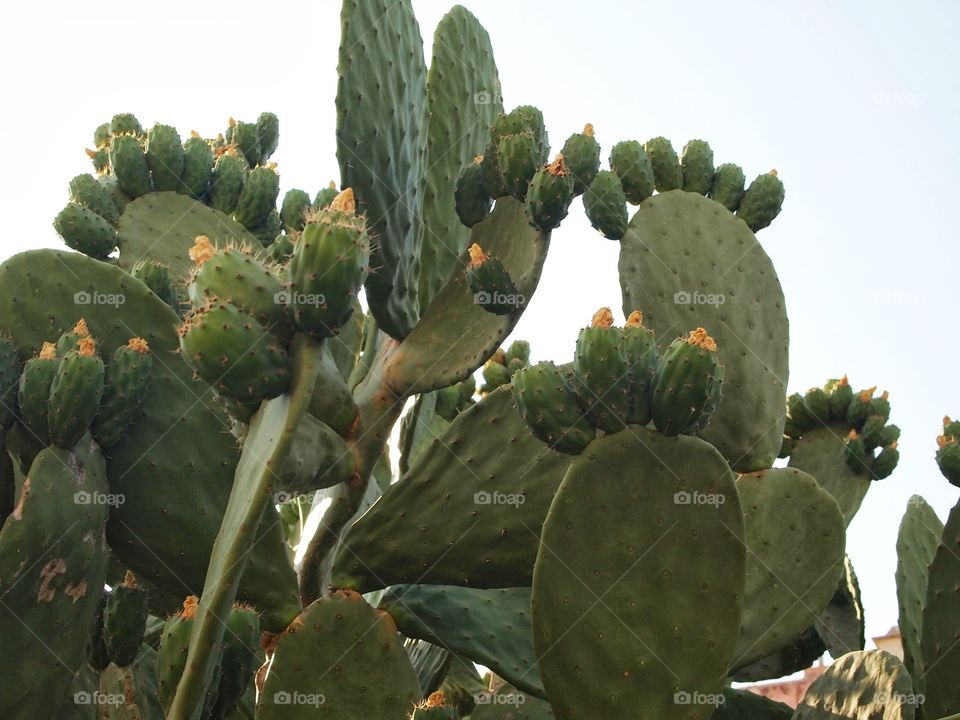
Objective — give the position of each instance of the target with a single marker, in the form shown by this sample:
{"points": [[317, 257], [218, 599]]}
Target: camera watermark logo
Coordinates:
{"points": [[901, 698], [498, 298], [698, 298], [98, 498], [698, 698], [890, 99], [298, 698], [98, 698], [684, 497], [292, 298], [84, 297], [498, 498], [486, 97], [489, 698]]}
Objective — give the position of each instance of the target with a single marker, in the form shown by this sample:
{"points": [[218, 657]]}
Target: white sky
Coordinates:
{"points": [[855, 109]]}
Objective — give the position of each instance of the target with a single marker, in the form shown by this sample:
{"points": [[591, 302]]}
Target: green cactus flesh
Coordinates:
{"points": [[293, 210], [156, 276], [123, 124], [343, 633], [719, 278], [491, 284], [640, 351], [762, 201], [130, 693], [786, 516], [581, 153], [85, 231], [129, 163], [667, 173], [549, 195], [227, 181], [728, 186], [509, 704], [601, 375], [498, 532], [546, 401], [823, 454], [917, 542], [126, 383], [164, 157], [124, 621], [9, 382], [518, 157], [697, 166], [198, 161], [687, 384], [860, 686], [33, 394], [268, 132], [747, 705], [631, 164], [635, 485], [75, 395], [841, 624], [258, 197], [470, 196], [87, 191], [491, 627], [605, 204]]}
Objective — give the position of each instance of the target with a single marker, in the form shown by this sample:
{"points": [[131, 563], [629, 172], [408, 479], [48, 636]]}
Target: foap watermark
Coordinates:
{"points": [[485, 299], [889, 99], [486, 97], [490, 698], [98, 498], [298, 698], [97, 698], [290, 297], [685, 497], [282, 496], [698, 698], [94, 297], [498, 498], [682, 297], [896, 698]]}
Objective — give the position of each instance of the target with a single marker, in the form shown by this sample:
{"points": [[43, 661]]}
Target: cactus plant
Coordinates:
{"points": [[316, 327]]}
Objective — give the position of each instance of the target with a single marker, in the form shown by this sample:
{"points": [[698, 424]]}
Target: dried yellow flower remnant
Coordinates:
{"points": [[86, 347], [602, 318], [700, 338], [202, 250], [344, 202]]}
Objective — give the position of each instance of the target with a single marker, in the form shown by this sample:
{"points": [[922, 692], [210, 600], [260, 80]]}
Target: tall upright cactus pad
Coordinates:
{"points": [[455, 320], [491, 627], [795, 540], [672, 525], [867, 685], [917, 543], [53, 562], [163, 227], [163, 533], [822, 453], [841, 624], [468, 513], [329, 655], [685, 262], [463, 98], [940, 634], [382, 146]]}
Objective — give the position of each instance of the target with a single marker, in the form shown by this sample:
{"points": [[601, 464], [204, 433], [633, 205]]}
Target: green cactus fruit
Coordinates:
{"points": [[280, 249], [605, 204], [68, 340], [519, 350], [326, 196], [156, 276], [799, 415], [293, 210], [9, 381], [97, 654], [227, 180], [85, 231], [447, 405], [125, 124], [494, 375], [247, 139], [948, 458], [516, 365], [33, 394], [640, 351], [951, 428], [549, 195], [434, 708], [518, 157], [762, 201], [857, 457], [532, 119], [631, 164], [234, 353], [666, 167], [728, 186], [109, 182], [165, 157], [235, 276], [75, 394], [543, 396], [172, 657], [697, 167], [268, 130], [600, 370], [491, 285], [818, 405], [198, 161], [841, 395], [885, 462], [859, 409], [880, 406], [87, 191], [581, 152], [525, 118], [472, 201], [129, 163], [889, 435], [101, 136], [872, 432], [258, 196], [328, 266], [241, 642], [100, 159], [125, 620], [267, 230], [687, 384], [126, 382]]}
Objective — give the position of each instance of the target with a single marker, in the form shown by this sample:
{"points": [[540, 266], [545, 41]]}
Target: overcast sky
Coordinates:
{"points": [[856, 110]]}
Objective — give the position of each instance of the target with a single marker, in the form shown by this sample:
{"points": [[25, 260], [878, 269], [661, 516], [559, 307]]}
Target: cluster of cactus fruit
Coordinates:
{"points": [[197, 410]]}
